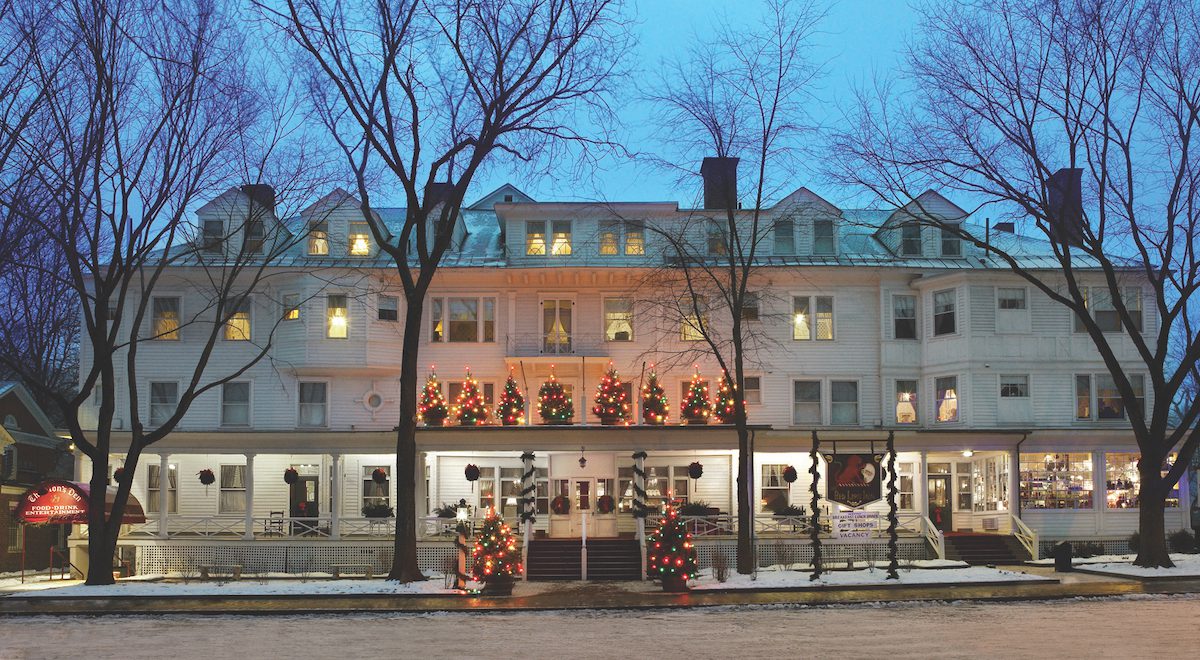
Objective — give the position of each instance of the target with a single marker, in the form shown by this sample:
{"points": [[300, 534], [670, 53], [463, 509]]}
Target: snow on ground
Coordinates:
{"points": [[247, 587], [773, 578], [1108, 559], [1186, 566], [1143, 627]]}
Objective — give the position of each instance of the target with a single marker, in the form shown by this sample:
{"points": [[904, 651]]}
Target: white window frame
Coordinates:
{"points": [[379, 308], [916, 310], [1027, 386], [291, 306], [953, 311], [814, 320], [249, 404], [833, 242], [566, 248], [480, 318], [150, 401], [946, 237], [329, 307], [905, 241], [637, 247], [747, 389], [538, 249], [820, 421], [789, 237], [328, 396], [604, 317], [166, 336], [221, 488], [228, 333], [1094, 398], [857, 401], [366, 235], [317, 244], [604, 227], [958, 398], [915, 401], [153, 494], [1009, 320]]}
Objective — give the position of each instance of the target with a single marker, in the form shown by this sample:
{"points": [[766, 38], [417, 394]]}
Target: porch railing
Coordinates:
{"points": [[1025, 535], [725, 524], [934, 537]]}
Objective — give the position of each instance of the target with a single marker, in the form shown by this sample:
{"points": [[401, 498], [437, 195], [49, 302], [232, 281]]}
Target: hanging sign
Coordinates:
{"points": [[59, 502], [854, 524], [854, 479]]}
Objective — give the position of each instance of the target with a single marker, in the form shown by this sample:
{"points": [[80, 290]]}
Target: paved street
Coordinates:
{"points": [[1142, 626]]}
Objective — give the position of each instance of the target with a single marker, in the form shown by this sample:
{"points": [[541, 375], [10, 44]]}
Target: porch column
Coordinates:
{"points": [[528, 493], [77, 530], [923, 481], [639, 493], [164, 490], [248, 534], [335, 510], [419, 476], [1014, 482]]}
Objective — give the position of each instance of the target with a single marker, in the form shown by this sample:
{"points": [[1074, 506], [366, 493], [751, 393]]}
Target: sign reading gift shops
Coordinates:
{"points": [[856, 525], [854, 479]]}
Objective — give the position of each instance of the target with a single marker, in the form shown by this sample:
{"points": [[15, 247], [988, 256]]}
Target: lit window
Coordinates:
{"points": [[943, 312], [906, 402], [154, 485], [389, 308], [237, 328], [806, 402], [1083, 396], [951, 242], [166, 318], [618, 319], [1014, 387], [806, 325], [843, 406], [775, 489], [910, 239], [785, 237], [1109, 404], [337, 317], [535, 238], [904, 317], [947, 399], [360, 239], [752, 393], [904, 483], [824, 241], [1056, 481], [801, 318], [232, 497], [313, 404], [462, 320], [1122, 480], [610, 233], [235, 404], [695, 319], [718, 242], [164, 399], [291, 307], [318, 239], [437, 329], [635, 238], [376, 495], [561, 245]]}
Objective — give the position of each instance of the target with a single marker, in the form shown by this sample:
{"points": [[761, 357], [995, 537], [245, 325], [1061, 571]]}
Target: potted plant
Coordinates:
{"points": [[378, 510], [670, 553]]}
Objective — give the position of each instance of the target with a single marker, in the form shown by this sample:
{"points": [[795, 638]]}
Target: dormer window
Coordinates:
{"points": [[561, 245], [508, 198], [360, 239], [824, 242], [255, 233], [211, 234], [535, 239], [635, 238], [610, 233], [785, 237], [951, 243], [910, 239], [718, 245], [318, 239]]}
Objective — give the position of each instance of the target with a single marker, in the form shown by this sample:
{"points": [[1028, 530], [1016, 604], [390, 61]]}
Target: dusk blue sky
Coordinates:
{"points": [[859, 39]]}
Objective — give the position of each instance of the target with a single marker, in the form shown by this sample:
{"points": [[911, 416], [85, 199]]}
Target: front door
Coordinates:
{"points": [[583, 495], [303, 503], [939, 501], [556, 326]]}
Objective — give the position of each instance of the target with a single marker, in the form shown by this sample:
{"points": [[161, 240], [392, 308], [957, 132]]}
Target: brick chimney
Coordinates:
{"points": [[261, 193], [720, 182], [1064, 192], [436, 193]]}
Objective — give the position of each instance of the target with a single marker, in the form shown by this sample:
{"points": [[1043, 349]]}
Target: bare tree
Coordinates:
{"points": [[737, 98], [428, 93], [142, 111], [1079, 120]]}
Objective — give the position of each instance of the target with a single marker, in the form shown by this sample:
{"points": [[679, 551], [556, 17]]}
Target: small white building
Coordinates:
{"points": [[1005, 419]]}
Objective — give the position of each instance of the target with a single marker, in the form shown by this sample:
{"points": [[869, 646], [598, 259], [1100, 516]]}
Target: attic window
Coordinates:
{"points": [[508, 198], [910, 239], [823, 237], [213, 231], [253, 241], [951, 243], [359, 239], [318, 239]]}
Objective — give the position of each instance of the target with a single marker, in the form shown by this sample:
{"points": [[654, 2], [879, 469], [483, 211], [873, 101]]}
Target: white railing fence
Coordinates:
{"points": [[1026, 536]]}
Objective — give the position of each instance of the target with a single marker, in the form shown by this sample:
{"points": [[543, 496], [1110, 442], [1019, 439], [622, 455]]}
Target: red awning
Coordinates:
{"points": [[62, 502]]}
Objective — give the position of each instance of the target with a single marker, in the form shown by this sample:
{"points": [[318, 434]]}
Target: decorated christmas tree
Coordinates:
{"points": [[497, 558], [670, 553], [511, 409], [612, 401], [696, 406], [431, 407], [554, 404], [654, 400], [470, 406], [723, 407]]}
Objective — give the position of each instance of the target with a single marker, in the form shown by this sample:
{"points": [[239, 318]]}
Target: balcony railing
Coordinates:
{"points": [[538, 344]]}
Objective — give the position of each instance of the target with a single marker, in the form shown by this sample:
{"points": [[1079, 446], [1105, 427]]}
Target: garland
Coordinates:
{"points": [[893, 518], [814, 525], [528, 490], [639, 486]]}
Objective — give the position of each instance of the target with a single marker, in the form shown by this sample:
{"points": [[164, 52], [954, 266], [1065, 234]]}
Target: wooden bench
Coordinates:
{"points": [[367, 570], [208, 570]]}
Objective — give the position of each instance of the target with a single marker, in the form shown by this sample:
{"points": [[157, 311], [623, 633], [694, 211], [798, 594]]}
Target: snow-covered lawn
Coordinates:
{"points": [[772, 578], [244, 587], [1186, 566], [1105, 559]]}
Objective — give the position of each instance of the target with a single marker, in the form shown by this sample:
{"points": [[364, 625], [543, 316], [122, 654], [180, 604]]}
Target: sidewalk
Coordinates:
{"points": [[597, 595]]}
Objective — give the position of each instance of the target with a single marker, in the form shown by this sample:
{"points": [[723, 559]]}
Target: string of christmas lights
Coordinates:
{"points": [[511, 408], [612, 401], [496, 555], [472, 410], [696, 406], [431, 407], [670, 552], [554, 405], [724, 406], [655, 407]]}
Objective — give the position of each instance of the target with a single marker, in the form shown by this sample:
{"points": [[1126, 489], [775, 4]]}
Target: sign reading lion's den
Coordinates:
{"points": [[854, 479]]}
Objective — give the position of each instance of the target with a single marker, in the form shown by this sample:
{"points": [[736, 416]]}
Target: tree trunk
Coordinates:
{"points": [[746, 559], [100, 548], [404, 557], [1152, 531]]}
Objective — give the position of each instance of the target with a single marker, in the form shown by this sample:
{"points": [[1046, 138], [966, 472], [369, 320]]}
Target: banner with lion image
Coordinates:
{"points": [[854, 479]]}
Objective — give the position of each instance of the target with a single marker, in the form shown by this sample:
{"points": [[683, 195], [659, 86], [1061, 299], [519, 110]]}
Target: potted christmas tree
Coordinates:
{"points": [[511, 409], [654, 401], [554, 404], [497, 559], [612, 401], [431, 408], [696, 407], [670, 553], [470, 406], [723, 407]]}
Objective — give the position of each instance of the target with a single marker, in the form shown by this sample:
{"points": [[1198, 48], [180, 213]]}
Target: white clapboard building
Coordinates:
{"points": [[1005, 420]]}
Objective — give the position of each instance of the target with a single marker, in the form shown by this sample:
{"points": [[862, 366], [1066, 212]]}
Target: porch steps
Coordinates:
{"points": [[608, 559], [983, 549]]}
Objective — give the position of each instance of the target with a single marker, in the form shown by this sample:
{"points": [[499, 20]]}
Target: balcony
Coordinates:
{"points": [[555, 345]]}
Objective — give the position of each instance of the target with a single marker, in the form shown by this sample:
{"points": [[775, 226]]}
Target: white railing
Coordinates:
{"points": [[934, 536], [368, 527], [725, 524], [439, 526], [1027, 537]]}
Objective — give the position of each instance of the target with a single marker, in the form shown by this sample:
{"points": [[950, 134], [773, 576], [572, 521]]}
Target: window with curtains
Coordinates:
{"points": [[1056, 481], [535, 238], [487, 489], [618, 319], [1105, 402], [237, 328], [318, 239], [775, 489], [824, 238], [944, 305], [785, 237], [314, 405], [609, 237], [165, 318], [947, 398], [376, 494], [232, 497], [154, 484], [635, 238], [904, 486], [359, 239], [235, 403], [462, 320], [164, 398], [812, 318], [904, 317], [337, 317], [512, 488], [560, 244], [806, 402], [906, 401], [990, 479]]}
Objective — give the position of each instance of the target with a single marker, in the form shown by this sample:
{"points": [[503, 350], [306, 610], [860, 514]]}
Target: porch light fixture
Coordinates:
{"points": [[582, 459], [968, 453], [462, 514]]}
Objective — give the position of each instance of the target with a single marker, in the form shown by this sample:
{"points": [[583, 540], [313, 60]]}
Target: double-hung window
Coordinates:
{"points": [[1014, 387], [946, 389], [618, 319], [694, 322], [213, 231], [561, 241], [235, 403], [824, 239], [291, 307], [232, 498], [535, 238], [635, 238], [785, 237], [750, 306], [609, 236], [376, 495], [775, 489], [843, 403], [359, 239], [906, 401], [314, 404], [718, 242], [1099, 303], [904, 317], [752, 390], [337, 317], [1105, 402], [165, 317], [154, 488], [318, 239], [164, 399], [951, 242], [237, 328], [910, 239], [806, 402], [944, 306], [462, 320], [812, 318], [388, 308], [252, 242]]}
